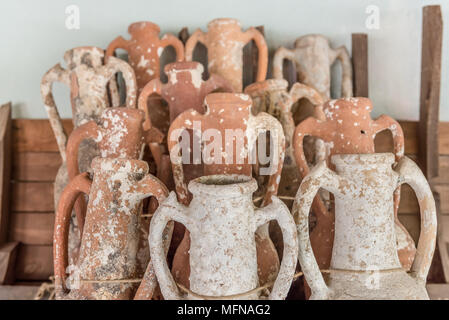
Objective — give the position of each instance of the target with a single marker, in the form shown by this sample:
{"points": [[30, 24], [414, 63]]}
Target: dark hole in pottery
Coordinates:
{"points": [[362, 131]]}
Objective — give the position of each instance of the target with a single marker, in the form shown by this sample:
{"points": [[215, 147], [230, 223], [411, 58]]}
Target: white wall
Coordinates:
{"points": [[34, 38]]}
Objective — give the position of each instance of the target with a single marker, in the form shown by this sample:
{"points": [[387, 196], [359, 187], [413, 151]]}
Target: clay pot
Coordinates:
{"points": [[144, 50], [313, 58], [222, 221], [118, 134], [184, 90], [226, 112], [271, 96], [365, 262], [348, 129], [107, 267], [87, 78], [224, 41]]}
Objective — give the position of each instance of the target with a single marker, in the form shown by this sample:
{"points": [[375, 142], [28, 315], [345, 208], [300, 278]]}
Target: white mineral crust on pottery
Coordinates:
{"points": [[365, 262], [222, 221]]}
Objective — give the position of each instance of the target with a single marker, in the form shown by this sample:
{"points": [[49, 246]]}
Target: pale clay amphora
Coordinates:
{"points": [[109, 256], [87, 78], [224, 41], [118, 133], [313, 58], [365, 262], [348, 129], [222, 221], [224, 112], [271, 96]]}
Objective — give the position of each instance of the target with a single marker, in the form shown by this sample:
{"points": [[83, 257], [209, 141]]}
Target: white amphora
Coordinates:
{"points": [[222, 221], [365, 262]]}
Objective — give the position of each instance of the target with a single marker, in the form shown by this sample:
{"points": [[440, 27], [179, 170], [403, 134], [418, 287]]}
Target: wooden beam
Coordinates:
{"points": [[32, 228], [36, 135], [438, 291], [432, 37], [428, 151], [18, 292], [360, 64], [8, 254], [5, 169], [38, 196], [35, 166], [34, 262]]}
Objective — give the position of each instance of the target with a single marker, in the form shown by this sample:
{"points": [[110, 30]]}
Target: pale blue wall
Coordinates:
{"points": [[34, 38]]}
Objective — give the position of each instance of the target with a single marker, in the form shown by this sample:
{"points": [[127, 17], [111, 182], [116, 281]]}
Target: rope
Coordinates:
{"points": [[269, 284], [112, 281], [46, 288], [233, 296]]}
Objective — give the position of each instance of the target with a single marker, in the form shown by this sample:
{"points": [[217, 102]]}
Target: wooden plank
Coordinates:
{"points": [[18, 292], [183, 35], [8, 254], [35, 166], [438, 291], [29, 140], [34, 262], [412, 223], [443, 243], [409, 203], [32, 228], [384, 140], [360, 64], [36, 135], [443, 174], [432, 38], [5, 169], [32, 197]]}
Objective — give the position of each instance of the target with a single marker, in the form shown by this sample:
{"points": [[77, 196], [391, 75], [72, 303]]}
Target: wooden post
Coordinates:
{"points": [[360, 64], [183, 35], [428, 152], [8, 251], [5, 168]]}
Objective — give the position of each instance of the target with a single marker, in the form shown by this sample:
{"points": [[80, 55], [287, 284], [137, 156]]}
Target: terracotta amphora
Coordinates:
{"points": [[271, 96], [144, 50], [229, 123], [184, 90], [87, 78], [107, 267], [118, 134], [365, 262], [224, 41], [348, 129], [313, 58], [222, 221]]}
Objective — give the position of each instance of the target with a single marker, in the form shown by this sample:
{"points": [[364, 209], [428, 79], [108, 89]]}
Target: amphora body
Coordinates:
{"points": [[224, 41], [107, 266], [222, 221], [365, 262], [229, 132], [348, 129], [87, 78]]}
